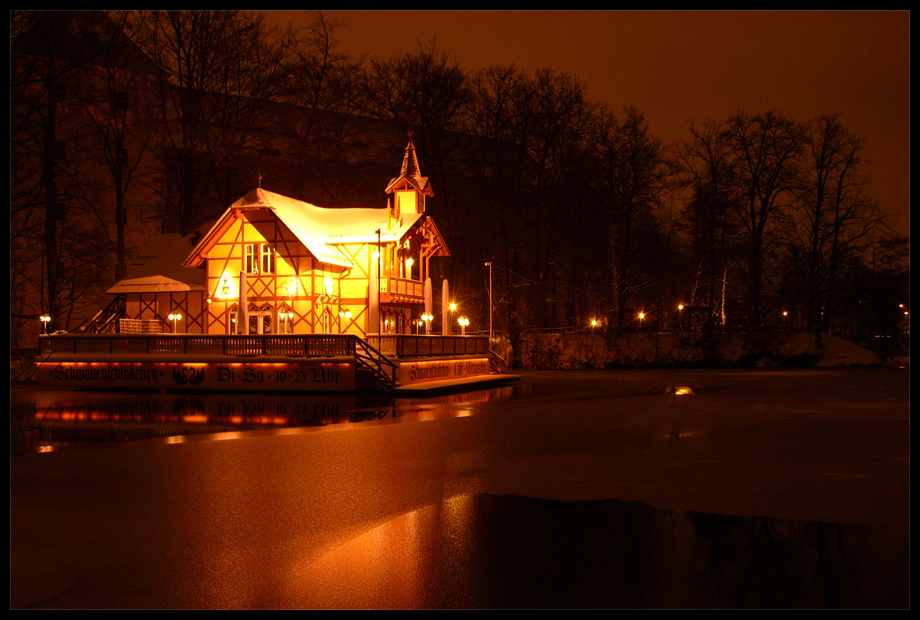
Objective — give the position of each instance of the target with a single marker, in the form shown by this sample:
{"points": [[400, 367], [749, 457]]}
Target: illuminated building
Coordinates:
{"points": [[272, 264]]}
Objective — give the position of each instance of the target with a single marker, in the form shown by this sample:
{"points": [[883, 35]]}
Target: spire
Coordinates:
{"points": [[410, 186], [410, 162]]}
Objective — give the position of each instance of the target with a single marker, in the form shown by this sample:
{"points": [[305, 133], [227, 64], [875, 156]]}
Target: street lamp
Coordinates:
{"points": [[427, 318], [680, 316], [593, 325], [379, 266], [175, 317], [641, 316], [45, 319], [489, 265], [463, 323]]}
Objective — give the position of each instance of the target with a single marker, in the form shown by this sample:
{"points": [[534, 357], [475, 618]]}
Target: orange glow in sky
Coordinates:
{"points": [[674, 66]]}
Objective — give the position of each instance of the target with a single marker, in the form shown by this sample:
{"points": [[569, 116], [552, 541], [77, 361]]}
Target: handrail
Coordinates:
{"points": [[496, 361], [374, 361], [296, 345]]}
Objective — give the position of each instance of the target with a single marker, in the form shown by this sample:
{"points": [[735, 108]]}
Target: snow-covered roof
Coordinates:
{"points": [[320, 229], [158, 268]]}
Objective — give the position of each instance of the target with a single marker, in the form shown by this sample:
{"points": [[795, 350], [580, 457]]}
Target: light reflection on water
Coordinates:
{"points": [[53, 418], [499, 551]]}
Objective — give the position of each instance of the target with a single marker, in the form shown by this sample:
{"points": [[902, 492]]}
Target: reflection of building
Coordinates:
{"points": [[275, 265]]}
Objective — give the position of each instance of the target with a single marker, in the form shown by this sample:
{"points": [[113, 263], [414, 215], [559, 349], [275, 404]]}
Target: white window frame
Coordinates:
{"points": [[267, 257]]}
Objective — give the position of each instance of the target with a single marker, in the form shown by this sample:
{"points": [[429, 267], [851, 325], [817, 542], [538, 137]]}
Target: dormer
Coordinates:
{"points": [[410, 188]]}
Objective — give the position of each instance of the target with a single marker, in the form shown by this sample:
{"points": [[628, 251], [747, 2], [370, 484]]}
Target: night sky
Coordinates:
{"points": [[676, 66]]}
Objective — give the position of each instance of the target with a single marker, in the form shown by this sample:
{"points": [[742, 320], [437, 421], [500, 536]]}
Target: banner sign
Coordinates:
{"points": [[441, 370], [301, 376]]}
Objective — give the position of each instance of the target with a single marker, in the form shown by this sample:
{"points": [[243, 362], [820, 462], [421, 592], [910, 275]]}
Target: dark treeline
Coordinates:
{"points": [[128, 123]]}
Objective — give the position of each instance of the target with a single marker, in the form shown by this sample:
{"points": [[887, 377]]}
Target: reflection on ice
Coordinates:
{"points": [[68, 417], [487, 551]]}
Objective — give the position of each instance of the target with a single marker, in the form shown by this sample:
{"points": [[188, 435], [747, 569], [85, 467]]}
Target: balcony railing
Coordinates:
{"points": [[409, 345], [289, 345], [402, 288]]}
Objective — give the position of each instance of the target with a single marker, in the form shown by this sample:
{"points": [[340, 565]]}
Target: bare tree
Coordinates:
{"points": [[117, 100], [220, 68], [324, 90], [51, 176], [766, 149], [425, 92], [837, 215], [706, 167], [636, 175]]}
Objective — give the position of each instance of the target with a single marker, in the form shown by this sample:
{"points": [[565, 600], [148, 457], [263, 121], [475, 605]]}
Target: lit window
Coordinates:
{"points": [[254, 320], [233, 321], [285, 320], [268, 258], [252, 260]]}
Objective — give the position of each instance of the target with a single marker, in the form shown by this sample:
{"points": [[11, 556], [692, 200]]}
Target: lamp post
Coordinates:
{"points": [[489, 265], [175, 317], [463, 323], [45, 319], [680, 316], [593, 325], [379, 264], [641, 316]]}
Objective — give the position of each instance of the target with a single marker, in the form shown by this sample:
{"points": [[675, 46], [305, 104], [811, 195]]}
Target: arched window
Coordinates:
{"points": [[252, 326], [260, 319], [266, 316]]}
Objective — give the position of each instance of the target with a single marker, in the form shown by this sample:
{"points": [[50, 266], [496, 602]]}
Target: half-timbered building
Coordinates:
{"points": [[275, 265]]}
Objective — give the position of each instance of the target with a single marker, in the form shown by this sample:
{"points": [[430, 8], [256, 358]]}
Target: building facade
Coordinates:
{"points": [[272, 264]]}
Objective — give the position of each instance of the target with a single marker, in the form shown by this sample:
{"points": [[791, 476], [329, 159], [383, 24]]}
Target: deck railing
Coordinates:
{"points": [[402, 287], [292, 345]]}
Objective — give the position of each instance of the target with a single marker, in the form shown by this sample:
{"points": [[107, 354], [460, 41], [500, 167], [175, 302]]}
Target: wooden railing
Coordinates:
{"points": [[292, 345], [298, 345], [402, 287]]}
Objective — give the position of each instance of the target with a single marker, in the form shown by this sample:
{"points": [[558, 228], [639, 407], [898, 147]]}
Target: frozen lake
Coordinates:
{"points": [[620, 489]]}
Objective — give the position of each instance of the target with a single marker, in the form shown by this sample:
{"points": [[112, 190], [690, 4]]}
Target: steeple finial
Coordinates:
{"points": [[410, 166]]}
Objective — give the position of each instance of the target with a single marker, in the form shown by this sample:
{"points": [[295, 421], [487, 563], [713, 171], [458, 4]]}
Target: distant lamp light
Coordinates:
{"points": [[45, 319], [175, 318], [463, 321], [427, 318]]}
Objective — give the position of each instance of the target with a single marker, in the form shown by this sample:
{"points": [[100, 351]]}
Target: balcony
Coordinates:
{"points": [[401, 290]]}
